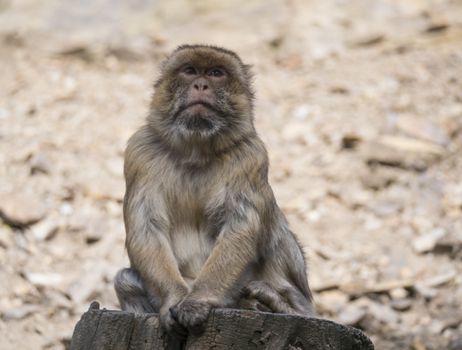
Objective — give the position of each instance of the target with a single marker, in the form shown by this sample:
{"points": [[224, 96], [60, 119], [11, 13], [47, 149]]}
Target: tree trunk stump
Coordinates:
{"points": [[225, 329]]}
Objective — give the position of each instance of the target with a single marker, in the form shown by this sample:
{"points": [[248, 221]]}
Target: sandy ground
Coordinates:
{"points": [[359, 103]]}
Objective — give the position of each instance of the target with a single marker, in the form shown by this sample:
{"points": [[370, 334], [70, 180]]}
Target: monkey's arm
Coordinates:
{"points": [[151, 255], [150, 252], [234, 250], [146, 222]]}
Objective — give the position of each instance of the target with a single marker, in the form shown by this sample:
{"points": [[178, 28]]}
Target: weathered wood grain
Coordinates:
{"points": [[226, 329]]}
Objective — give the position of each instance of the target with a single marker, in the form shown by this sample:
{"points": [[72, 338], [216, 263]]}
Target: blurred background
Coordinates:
{"points": [[359, 103]]}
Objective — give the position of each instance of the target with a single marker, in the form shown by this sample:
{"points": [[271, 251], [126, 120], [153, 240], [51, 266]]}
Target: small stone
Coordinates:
{"points": [[398, 293], [407, 144], [90, 222], [427, 242], [66, 193], [367, 39], [124, 53], [6, 237], [453, 195], [66, 209], [401, 304], [450, 244], [20, 312], [44, 279], [39, 163], [313, 216], [437, 26], [59, 300], [332, 301], [87, 286], [339, 89], [350, 141], [427, 292], [436, 327], [20, 209], [351, 315], [21, 241], [422, 129], [105, 188], [291, 61], [383, 313], [77, 50], [46, 229], [372, 223], [440, 279], [386, 207], [302, 112], [402, 152]]}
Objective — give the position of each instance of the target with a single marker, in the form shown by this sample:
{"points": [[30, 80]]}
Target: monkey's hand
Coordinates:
{"points": [[168, 322], [192, 313]]}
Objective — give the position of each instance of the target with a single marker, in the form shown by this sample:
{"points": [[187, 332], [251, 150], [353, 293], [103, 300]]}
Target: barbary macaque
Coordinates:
{"points": [[203, 229]]}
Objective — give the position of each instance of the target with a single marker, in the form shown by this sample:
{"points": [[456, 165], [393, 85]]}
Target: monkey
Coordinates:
{"points": [[203, 229]]}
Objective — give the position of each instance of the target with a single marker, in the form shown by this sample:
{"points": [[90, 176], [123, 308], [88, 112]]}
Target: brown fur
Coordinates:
{"points": [[203, 227]]}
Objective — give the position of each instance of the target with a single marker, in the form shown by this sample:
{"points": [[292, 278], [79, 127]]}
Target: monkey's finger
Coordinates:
{"points": [[245, 292], [197, 329], [175, 325], [175, 328], [179, 330], [174, 313]]}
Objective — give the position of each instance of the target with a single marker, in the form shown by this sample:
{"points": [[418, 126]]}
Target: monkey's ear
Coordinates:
{"points": [[162, 68], [247, 68], [164, 61]]}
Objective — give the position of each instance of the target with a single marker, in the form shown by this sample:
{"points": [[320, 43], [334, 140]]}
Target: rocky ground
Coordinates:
{"points": [[359, 103]]}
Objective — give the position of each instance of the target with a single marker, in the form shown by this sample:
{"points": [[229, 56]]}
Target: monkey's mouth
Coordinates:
{"points": [[199, 107], [198, 116]]}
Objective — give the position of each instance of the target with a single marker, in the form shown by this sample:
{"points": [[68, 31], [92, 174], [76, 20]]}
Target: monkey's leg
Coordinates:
{"points": [[266, 296], [286, 300], [298, 302], [131, 292], [249, 303]]}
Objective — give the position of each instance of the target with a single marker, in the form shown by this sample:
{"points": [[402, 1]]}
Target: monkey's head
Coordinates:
{"points": [[203, 93]]}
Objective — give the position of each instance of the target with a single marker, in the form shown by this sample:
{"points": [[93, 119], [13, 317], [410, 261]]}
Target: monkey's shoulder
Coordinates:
{"points": [[247, 156], [144, 150], [142, 142]]}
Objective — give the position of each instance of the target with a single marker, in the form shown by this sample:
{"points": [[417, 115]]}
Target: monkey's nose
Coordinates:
{"points": [[201, 85]]}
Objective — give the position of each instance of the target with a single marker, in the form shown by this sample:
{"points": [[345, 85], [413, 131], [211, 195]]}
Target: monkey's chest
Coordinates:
{"points": [[192, 237], [192, 203], [191, 249]]}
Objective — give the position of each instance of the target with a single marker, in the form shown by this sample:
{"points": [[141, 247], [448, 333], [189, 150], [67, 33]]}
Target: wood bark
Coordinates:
{"points": [[226, 329]]}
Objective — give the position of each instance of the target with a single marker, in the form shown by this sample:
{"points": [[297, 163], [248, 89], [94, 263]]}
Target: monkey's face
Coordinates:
{"points": [[200, 103], [203, 92]]}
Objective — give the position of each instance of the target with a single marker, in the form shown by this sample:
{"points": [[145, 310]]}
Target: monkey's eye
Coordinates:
{"points": [[189, 70], [216, 72]]}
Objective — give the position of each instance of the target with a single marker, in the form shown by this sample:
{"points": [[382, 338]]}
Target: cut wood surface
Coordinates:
{"points": [[226, 329]]}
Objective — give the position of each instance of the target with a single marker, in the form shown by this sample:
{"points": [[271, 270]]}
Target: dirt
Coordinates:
{"points": [[359, 103]]}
